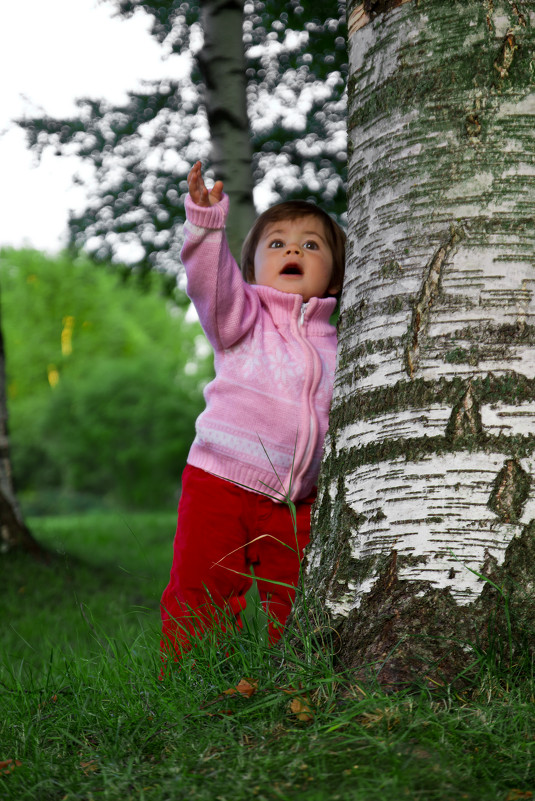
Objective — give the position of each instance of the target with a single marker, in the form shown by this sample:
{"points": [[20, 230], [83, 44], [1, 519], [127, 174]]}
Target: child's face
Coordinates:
{"points": [[293, 256]]}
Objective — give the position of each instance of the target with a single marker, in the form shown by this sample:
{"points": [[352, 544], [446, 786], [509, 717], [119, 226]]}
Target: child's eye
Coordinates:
{"points": [[311, 245], [276, 243]]}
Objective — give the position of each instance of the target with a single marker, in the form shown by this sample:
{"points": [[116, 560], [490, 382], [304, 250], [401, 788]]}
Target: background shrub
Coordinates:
{"points": [[104, 383]]}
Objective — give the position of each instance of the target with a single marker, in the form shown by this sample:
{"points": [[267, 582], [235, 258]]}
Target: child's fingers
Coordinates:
{"points": [[216, 193], [194, 169], [196, 187], [194, 174]]}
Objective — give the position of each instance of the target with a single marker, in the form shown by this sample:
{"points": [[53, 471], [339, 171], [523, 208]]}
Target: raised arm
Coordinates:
{"points": [[226, 305]]}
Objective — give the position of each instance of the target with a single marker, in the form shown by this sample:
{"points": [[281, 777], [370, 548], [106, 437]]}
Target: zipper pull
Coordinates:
{"points": [[303, 312]]}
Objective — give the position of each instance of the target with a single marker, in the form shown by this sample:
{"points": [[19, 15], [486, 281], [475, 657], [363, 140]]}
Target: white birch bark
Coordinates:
{"points": [[427, 477]]}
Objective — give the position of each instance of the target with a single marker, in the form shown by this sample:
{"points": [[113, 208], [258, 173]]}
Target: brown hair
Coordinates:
{"points": [[293, 210]]}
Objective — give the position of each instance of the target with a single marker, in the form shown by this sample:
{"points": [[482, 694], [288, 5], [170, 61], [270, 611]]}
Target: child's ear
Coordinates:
{"points": [[334, 289]]}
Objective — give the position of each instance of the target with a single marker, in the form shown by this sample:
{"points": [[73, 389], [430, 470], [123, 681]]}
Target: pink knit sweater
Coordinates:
{"points": [[267, 408]]}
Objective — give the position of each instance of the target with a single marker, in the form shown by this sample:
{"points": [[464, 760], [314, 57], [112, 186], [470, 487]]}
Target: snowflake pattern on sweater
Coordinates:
{"points": [[274, 361]]}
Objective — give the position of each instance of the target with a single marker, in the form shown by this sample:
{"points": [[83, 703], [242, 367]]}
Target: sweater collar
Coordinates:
{"points": [[285, 305]]}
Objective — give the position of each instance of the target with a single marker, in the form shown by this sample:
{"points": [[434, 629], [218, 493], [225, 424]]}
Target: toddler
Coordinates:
{"points": [[266, 414]]}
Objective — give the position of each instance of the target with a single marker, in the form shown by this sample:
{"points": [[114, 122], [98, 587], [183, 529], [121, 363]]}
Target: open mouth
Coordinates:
{"points": [[292, 269]]}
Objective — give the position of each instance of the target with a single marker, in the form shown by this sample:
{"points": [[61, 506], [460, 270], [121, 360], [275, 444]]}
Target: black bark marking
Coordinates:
{"points": [[428, 293], [521, 18], [504, 60], [510, 492], [511, 388], [465, 420], [368, 10], [391, 575], [345, 521], [490, 12], [473, 128], [375, 7]]}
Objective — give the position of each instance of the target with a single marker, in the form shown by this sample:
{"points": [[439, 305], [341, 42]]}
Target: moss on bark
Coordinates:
{"points": [[408, 631], [441, 127]]}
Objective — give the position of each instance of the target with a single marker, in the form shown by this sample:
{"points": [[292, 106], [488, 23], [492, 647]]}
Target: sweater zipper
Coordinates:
{"points": [[310, 350]]}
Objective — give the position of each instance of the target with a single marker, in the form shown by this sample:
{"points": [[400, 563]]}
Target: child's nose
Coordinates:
{"points": [[294, 248]]}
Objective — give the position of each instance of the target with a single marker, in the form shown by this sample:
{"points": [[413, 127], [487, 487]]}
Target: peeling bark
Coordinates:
{"points": [[505, 59], [426, 503], [510, 492], [423, 305], [465, 420]]}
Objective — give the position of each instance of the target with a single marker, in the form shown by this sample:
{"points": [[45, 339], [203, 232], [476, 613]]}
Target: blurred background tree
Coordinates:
{"points": [[101, 403], [139, 153], [104, 384]]}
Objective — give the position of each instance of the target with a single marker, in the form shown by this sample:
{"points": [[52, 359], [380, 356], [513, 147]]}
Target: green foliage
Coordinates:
{"points": [[125, 425], [104, 381]]}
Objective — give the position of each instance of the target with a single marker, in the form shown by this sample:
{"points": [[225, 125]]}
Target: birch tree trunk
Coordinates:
{"points": [[13, 531], [222, 64], [425, 521]]}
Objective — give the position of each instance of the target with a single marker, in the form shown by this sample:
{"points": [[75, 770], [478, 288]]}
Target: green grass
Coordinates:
{"points": [[84, 713]]}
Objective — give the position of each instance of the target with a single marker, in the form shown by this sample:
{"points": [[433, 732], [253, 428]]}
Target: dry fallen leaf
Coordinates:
{"points": [[89, 767], [516, 795], [9, 765], [299, 705], [245, 687], [301, 708]]}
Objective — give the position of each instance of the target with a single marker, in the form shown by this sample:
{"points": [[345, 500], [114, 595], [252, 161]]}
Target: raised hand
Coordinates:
{"points": [[198, 191]]}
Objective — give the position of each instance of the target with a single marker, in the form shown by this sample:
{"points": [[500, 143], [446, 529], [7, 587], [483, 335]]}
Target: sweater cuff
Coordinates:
{"points": [[207, 216]]}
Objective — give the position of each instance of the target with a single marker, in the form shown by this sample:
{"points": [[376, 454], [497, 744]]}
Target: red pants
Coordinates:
{"points": [[222, 531]]}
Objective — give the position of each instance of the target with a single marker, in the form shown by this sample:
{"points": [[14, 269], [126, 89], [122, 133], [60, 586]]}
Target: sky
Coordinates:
{"points": [[51, 52]]}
